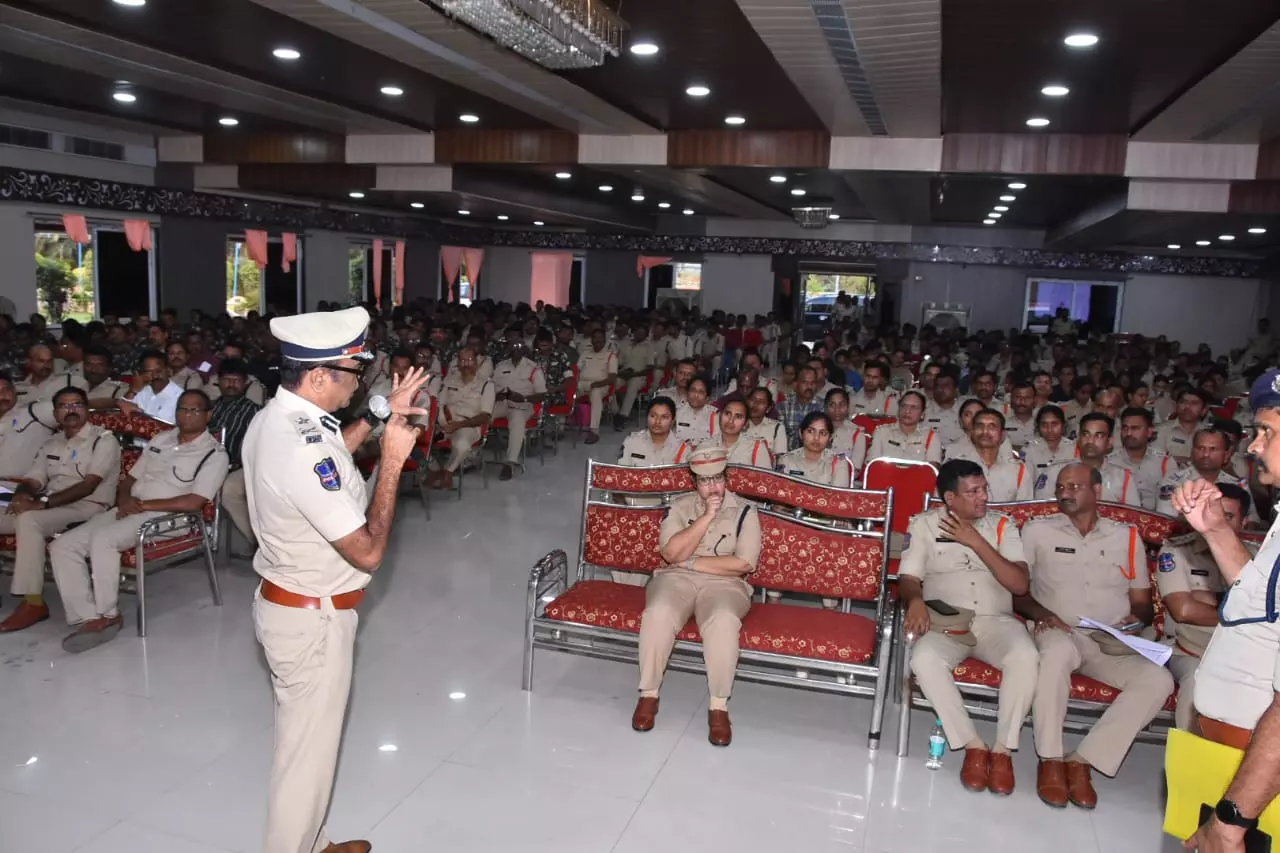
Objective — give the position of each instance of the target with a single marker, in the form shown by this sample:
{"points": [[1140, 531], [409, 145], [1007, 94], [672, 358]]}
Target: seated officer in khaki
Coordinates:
{"points": [[711, 541], [521, 385], [180, 471], [1191, 587], [73, 478], [970, 560], [1007, 478], [24, 428], [743, 449], [466, 405], [1085, 565], [647, 448]]}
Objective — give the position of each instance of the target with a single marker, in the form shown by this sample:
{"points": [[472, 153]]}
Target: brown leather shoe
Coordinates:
{"points": [[92, 634], [1080, 786], [976, 770], [24, 616], [592, 438], [642, 717], [446, 480], [1051, 782], [1000, 776], [348, 847], [719, 731]]}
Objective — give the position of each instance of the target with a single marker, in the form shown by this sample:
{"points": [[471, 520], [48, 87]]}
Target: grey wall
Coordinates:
{"points": [[191, 264], [506, 274], [325, 258], [421, 270], [611, 280], [738, 284], [17, 259]]}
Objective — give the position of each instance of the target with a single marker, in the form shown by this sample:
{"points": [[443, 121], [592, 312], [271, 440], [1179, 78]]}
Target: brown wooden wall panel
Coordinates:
{"points": [[1269, 160], [805, 149], [506, 146], [274, 148], [1034, 154], [306, 179], [1254, 197]]}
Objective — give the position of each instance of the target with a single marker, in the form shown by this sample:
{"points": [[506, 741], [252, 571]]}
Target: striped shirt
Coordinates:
{"points": [[234, 415]]}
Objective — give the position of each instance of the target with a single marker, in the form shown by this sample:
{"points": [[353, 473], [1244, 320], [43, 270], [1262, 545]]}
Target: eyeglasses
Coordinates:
{"points": [[354, 371], [191, 410], [71, 407]]}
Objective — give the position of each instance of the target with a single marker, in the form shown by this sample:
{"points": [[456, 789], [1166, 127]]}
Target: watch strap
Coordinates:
{"points": [[1229, 813]]}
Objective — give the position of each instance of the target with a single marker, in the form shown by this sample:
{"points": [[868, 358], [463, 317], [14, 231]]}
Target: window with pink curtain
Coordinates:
{"points": [[549, 278]]}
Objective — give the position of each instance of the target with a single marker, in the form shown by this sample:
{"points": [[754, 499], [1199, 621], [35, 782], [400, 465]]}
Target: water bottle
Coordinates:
{"points": [[937, 746]]}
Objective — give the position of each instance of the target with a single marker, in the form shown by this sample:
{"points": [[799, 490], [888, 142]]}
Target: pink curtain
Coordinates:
{"points": [[255, 246], [645, 262], [138, 233], [290, 250], [77, 229], [399, 272], [549, 280], [474, 259], [451, 261], [377, 272]]}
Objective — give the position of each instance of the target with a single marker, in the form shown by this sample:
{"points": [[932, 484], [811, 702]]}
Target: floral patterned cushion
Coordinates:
{"points": [[1153, 527], [128, 458], [8, 542], [660, 479], [776, 488], [145, 427], [833, 563], [623, 537], [784, 629], [112, 421], [165, 548], [1083, 688], [1023, 511]]}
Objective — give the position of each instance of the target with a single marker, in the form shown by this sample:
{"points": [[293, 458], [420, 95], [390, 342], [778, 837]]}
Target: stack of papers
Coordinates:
{"points": [[1157, 653]]}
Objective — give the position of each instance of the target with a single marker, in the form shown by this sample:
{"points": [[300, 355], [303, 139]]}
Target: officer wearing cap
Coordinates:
{"points": [[320, 539], [521, 384], [1237, 690], [710, 542]]}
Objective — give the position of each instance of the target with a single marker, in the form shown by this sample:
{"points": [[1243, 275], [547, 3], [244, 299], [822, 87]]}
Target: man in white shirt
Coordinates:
{"points": [[153, 393]]}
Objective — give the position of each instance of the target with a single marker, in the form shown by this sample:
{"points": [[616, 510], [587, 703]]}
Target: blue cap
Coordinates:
{"points": [[323, 336], [1265, 393]]}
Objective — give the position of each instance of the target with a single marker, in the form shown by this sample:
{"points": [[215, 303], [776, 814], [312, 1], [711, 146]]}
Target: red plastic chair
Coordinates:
{"points": [[1227, 410], [870, 423], [912, 483], [533, 433]]}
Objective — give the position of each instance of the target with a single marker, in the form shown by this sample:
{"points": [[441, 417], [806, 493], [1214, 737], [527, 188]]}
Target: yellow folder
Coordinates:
{"points": [[1199, 772]]}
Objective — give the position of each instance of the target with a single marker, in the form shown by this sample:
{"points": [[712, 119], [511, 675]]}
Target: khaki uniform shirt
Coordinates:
{"points": [[882, 402], [1007, 480], [526, 379], [304, 492], [674, 349], [1174, 440], [639, 451], [1118, 484], [1186, 564], [735, 531], [1150, 472], [1170, 484], [466, 399], [186, 379], [952, 572], [745, 451], [673, 394], [170, 469], [63, 463], [1019, 433], [23, 431], [30, 392], [829, 469], [594, 366], [1239, 673], [108, 389], [637, 357], [850, 441], [923, 444], [965, 449], [771, 432], [1041, 459], [484, 367], [946, 422], [1076, 575], [697, 426]]}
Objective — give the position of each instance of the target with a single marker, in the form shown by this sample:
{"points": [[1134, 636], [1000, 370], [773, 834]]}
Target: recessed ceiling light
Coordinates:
{"points": [[388, 747], [1008, 198], [464, 212], [1037, 121], [392, 91], [778, 179], [564, 176], [133, 3], [1001, 208], [688, 211], [457, 694], [1226, 237], [288, 54], [697, 91], [1017, 185], [125, 97], [994, 215], [605, 188], [1175, 245], [1080, 40], [538, 222], [502, 217], [228, 121], [644, 48], [1204, 242], [1055, 91], [988, 222], [355, 194], [833, 216], [735, 120], [1257, 229], [468, 118], [417, 205], [796, 191], [637, 196], [664, 204]]}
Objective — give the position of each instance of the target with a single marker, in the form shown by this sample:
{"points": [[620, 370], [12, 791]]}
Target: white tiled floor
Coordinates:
{"points": [[163, 745]]}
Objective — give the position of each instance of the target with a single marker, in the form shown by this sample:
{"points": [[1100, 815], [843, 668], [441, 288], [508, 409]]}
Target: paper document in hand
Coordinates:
{"points": [[1157, 653]]}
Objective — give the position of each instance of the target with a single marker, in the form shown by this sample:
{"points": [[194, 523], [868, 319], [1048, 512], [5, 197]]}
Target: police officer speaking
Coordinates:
{"points": [[1237, 690], [320, 539]]}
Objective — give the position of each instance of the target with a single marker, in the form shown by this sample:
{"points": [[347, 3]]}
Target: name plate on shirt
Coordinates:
{"points": [[1061, 550]]}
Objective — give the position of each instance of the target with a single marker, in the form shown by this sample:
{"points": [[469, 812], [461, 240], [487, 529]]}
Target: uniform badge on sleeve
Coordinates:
{"points": [[327, 470], [1166, 492], [1041, 481], [906, 541], [1165, 562]]}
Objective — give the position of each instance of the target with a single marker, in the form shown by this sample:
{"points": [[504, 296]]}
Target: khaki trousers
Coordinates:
{"points": [[235, 500], [86, 564], [716, 603], [1184, 666], [597, 405], [33, 528], [1003, 642], [634, 384], [1144, 689], [517, 419], [310, 654], [461, 441]]}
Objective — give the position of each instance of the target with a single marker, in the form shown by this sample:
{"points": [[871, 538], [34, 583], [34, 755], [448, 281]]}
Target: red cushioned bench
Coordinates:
{"points": [[818, 541], [979, 682]]}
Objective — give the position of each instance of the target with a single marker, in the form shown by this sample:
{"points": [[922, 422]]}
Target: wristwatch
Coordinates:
{"points": [[44, 500], [372, 420], [1229, 813]]}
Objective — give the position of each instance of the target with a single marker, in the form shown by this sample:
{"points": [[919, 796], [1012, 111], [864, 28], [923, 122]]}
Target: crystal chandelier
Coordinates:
{"points": [[558, 34]]}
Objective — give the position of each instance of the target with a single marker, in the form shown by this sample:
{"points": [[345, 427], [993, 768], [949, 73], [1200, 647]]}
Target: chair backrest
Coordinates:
{"points": [[1227, 410], [656, 480], [803, 556], [912, 483], [870, 423], [571, 387], [783, 490], [621, 537]]}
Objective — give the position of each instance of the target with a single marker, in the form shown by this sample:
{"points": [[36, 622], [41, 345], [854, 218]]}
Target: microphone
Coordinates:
{"points": [[381, 410]]}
